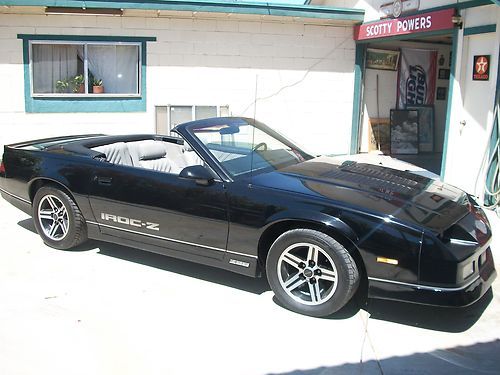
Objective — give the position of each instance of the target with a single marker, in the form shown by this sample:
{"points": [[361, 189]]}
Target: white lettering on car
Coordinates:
{"points": [[128, 221]]}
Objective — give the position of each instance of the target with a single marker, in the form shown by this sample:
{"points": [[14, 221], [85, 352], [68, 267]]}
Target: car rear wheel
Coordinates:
{"points": [[311, 273], [58, 219]]}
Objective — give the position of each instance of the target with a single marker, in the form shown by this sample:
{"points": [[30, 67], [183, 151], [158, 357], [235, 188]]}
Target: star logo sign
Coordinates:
{"points": [[481, 65]]}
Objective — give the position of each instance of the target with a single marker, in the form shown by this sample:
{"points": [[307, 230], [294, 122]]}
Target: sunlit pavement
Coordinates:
{"points": [[108, 309]]}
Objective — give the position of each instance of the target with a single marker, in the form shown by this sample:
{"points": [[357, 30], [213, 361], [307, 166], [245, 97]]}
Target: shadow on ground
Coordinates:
{"points": [[428, 317], [444, 319], [199, 271], [481, 358]]}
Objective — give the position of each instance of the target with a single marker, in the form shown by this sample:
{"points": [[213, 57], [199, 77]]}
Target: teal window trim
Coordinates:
{"points": [[454, 53], [480, 29], [358, 90], [83, 104], [214, 6]]}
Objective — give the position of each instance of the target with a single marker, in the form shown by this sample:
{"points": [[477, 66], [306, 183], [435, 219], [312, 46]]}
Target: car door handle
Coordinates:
{"points": [[104, 180]]}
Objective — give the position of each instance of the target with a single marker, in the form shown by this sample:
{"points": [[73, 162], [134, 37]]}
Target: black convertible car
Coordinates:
{"points": [[232, 193]]}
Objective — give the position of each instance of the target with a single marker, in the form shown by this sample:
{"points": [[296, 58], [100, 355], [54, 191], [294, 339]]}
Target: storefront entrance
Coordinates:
{"points": [[405, 82]]}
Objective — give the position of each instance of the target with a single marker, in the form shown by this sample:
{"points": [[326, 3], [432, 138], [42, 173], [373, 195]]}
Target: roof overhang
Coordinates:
{"points": [[251, 8]]}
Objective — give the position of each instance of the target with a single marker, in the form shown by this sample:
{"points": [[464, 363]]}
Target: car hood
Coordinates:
{"points": [[406, 197]]}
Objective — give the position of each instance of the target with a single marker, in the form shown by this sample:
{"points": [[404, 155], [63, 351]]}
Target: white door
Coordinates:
{"points": [[471, 116]]}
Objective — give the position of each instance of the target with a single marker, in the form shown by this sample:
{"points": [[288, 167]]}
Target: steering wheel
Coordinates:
{"points": [[259, 145]]}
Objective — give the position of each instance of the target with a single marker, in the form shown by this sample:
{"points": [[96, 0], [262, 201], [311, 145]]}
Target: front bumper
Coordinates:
{"points": [[434, 295]]}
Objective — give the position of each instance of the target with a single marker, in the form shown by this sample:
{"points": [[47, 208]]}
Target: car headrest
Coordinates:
{"points": [[151, 151]]}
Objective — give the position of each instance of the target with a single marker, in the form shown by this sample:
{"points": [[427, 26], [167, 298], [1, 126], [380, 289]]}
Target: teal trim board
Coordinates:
{"points": [[83, 104], [238, 7], [480, 29], [359, 66], [450, 100]]}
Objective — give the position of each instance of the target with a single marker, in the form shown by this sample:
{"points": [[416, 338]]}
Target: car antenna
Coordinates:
{"points": [[253, 127]]}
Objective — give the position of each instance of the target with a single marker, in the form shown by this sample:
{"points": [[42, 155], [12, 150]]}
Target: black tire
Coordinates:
{"points": [[283, 267], [74, 231]]}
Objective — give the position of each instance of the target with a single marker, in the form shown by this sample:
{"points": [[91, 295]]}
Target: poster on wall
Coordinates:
{"points": [[425, 127], [417, 77], [404, 131], [382, 59]]}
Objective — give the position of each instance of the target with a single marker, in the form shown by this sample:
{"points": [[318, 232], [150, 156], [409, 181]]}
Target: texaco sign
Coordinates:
{"points": [[481, 69]]}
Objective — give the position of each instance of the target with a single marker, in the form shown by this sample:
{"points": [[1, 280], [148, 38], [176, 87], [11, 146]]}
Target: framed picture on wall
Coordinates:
{"points": [[441, 93], [425, 127], [444, 74], [404, 131], [382, 59]]}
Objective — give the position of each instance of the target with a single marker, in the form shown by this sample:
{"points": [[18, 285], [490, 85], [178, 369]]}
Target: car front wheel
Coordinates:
{"points": [[311, 273], [58, 219]]}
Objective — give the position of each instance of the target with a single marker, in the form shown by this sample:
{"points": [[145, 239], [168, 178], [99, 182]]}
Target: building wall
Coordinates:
{"points": [[473, 102], [301, 72]]}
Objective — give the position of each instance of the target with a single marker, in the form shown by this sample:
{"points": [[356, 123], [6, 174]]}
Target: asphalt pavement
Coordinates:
{"points": [[108, 309]]}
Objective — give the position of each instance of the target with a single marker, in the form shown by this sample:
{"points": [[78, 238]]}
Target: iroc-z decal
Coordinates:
{"points": [[132, 222]]}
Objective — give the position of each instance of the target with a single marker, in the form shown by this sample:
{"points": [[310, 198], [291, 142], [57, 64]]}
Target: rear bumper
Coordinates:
{"points": [[18, 202], [431, 295]]}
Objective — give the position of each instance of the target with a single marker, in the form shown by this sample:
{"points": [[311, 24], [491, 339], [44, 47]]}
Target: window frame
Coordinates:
{"points": [[193, 111], [85, 44]]}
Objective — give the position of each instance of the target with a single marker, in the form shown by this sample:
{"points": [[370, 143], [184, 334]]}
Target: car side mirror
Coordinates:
{"points": [[198, 173]]}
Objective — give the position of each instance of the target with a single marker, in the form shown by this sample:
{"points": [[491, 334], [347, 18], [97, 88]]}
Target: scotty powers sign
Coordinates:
{"points": [[432, 21], [417, 77]]}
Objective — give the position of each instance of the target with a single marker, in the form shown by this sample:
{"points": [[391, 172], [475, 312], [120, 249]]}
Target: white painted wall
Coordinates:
{"points": [[473, 102], [304, 73]]}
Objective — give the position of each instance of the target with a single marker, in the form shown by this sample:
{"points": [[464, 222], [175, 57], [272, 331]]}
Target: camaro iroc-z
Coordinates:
{"points": [[233, 193]]}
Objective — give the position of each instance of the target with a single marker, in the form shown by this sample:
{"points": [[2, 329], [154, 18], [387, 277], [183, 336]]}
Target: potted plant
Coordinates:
{"points": [[62, 86], [77, 83], [97, 87]]}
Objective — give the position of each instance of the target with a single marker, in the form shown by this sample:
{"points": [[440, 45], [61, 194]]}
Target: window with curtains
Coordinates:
{"points": [[85, 68]]}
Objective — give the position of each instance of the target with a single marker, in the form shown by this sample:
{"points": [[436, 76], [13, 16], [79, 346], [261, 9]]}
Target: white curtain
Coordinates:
{"points": [[116, 66], [52, 63]]}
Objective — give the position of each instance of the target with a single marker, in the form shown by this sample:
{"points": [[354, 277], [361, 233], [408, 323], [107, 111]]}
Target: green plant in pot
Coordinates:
{"points": [[97, 87], [62, 86], [77, 84]]}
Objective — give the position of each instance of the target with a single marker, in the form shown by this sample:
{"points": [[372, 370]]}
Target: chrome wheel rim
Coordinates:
{"points": [[53, 217], [307, 273]]}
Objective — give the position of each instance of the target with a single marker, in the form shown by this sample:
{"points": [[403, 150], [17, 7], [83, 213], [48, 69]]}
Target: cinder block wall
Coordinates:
{"points": [[302, 70]]}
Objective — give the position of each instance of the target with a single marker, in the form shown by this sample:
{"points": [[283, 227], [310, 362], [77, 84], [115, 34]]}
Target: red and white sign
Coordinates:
{"points": [[417, 77], [432, 21], [481, 68]]}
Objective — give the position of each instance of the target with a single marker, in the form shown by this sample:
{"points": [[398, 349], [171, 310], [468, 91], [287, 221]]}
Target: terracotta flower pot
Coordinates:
{"points": [[98, 89], [81, 89]]}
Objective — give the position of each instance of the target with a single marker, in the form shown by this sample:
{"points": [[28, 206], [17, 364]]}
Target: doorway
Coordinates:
{"points": [[418, 138]]}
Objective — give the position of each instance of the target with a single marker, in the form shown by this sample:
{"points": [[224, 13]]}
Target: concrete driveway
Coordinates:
{"points": [[108, 309]]}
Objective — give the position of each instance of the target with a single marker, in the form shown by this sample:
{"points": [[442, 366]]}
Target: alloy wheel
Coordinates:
{"points": [[53, 217], [307, 273]]}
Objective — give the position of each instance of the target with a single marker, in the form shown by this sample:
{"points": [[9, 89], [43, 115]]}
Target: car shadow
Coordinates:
{"points": [[445, 319], [427, 317]]}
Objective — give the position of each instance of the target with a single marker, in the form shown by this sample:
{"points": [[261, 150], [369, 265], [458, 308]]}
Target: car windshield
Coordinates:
{"points": [[242, 148]]}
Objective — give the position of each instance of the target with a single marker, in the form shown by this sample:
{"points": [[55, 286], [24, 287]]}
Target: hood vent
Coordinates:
{"points": [[380, 179]]}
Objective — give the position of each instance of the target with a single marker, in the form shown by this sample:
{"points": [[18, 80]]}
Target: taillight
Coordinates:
{"points": [[2, 168]]}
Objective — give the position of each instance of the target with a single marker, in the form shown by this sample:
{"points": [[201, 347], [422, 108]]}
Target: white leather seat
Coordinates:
{"points": [[116, 153], [150, 154]]}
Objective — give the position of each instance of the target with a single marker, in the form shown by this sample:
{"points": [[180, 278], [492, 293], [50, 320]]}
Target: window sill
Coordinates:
{"points": [[84, 96], [85, 104]]}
